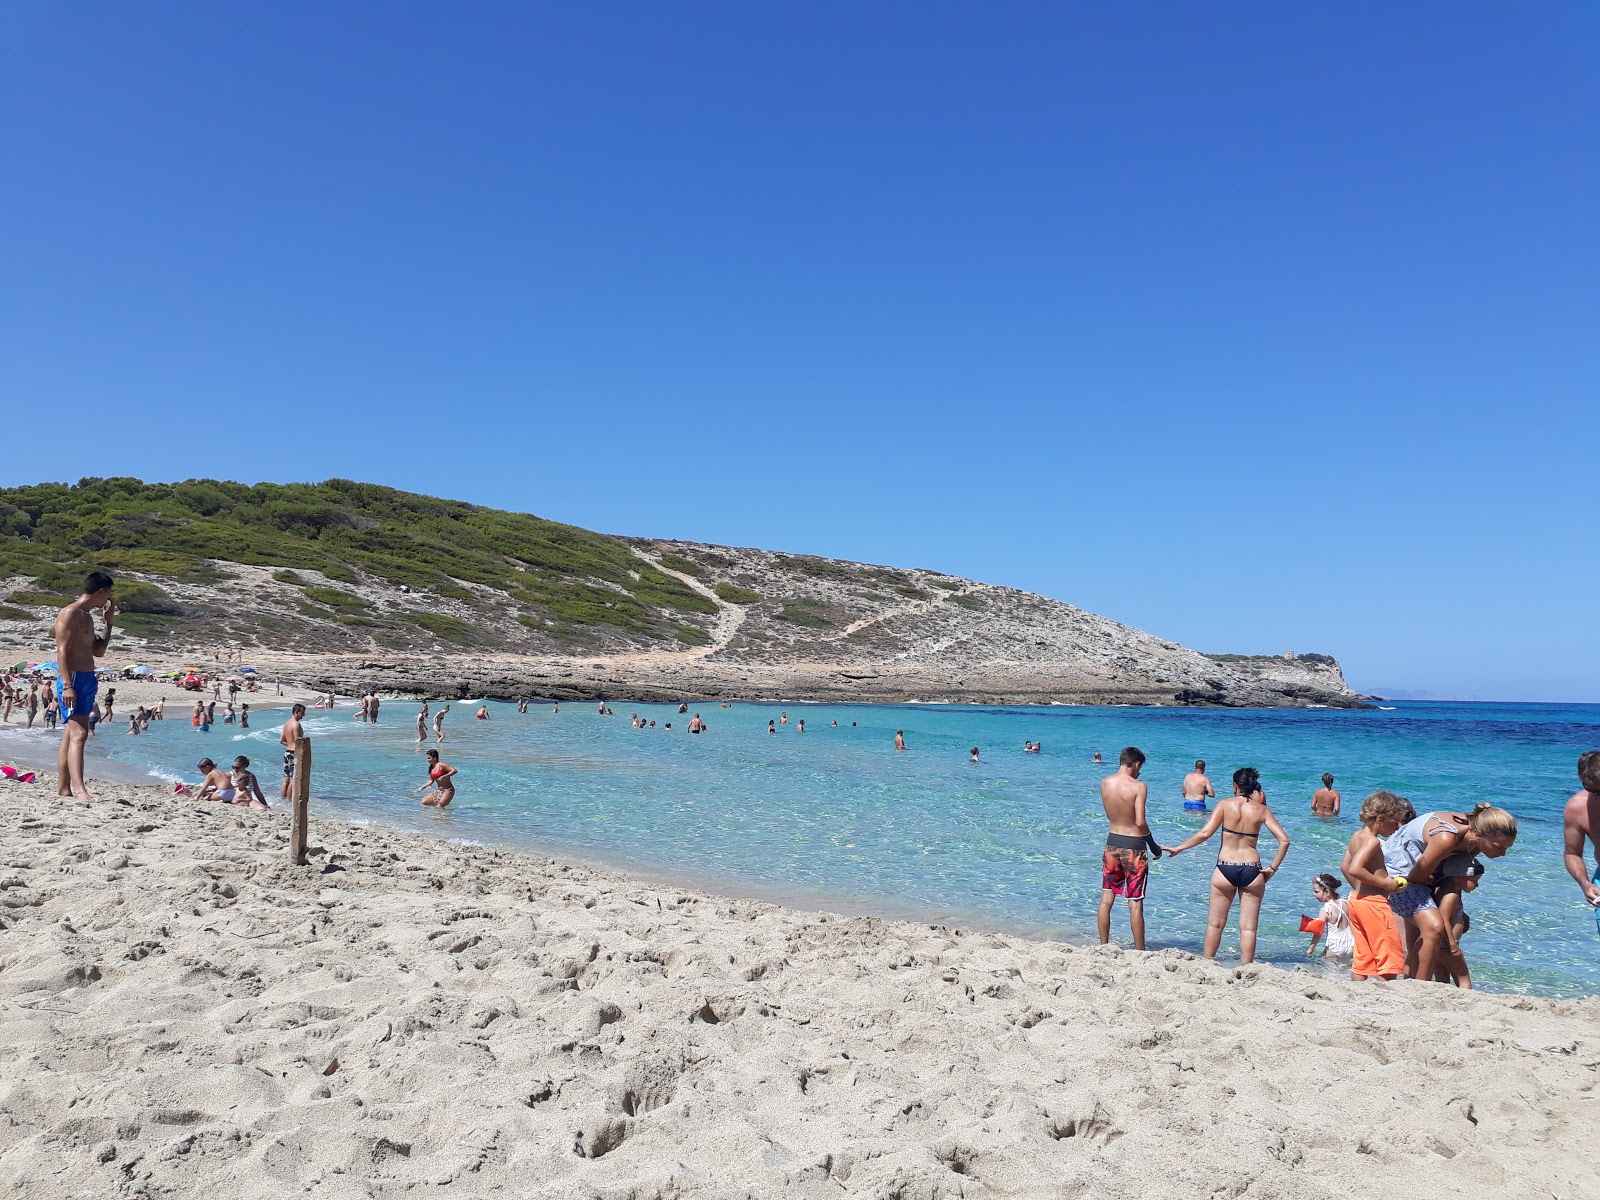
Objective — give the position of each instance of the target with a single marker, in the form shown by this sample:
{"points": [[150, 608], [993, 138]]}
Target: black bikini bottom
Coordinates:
{"points": [[1241, 874]]}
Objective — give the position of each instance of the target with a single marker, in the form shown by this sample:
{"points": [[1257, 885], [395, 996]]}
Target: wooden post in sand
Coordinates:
{"points": [[300, 790]]}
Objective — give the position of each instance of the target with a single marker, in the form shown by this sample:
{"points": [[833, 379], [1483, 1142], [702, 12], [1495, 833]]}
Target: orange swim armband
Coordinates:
{"points": [[1312, 924]]}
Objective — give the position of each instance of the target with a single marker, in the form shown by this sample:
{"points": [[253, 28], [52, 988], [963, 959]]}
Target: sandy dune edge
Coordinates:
{"points": [[186, 1015]]}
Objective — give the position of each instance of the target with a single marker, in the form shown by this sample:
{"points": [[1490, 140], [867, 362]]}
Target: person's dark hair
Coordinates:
{"points": [[241, 763], [1247, 780], [974, 750], [1589, 770], [1200, 765], [298, 710], [433, 754], [97, 581], [1131, 756], [205, 764], [1327, 780], [1329, 883]]}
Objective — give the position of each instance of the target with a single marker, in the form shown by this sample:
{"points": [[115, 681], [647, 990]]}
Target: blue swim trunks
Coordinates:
{"points": [[84, 688], [1194, 806]]}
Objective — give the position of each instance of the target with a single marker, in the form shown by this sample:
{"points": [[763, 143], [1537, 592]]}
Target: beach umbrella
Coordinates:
{"points": [[247, 670], [143, 671], [46, 666]]}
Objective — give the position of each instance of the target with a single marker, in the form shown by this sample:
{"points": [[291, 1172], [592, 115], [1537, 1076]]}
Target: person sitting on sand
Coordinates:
{"points": [[217, 785], [1340, 938], [1379, 954], [1580, 822], [1325, 801], [247, 788], [1415, 851], [1197, 788], [1238, 871], [441, 778]]}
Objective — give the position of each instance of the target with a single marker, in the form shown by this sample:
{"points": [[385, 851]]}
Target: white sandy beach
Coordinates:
{"points": [[186, 1014]]}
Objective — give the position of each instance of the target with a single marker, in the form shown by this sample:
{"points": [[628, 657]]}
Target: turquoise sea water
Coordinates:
{"points": [[835, 816]]}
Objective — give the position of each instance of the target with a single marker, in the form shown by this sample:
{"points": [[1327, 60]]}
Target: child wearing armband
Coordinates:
{"points": [[1334, 920]]}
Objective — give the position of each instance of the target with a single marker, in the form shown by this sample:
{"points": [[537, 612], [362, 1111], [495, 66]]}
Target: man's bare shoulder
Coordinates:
{"points": [[1580, 808]]}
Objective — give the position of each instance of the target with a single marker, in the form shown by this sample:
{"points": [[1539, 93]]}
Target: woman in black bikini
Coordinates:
{"points": [[1239, 870]]}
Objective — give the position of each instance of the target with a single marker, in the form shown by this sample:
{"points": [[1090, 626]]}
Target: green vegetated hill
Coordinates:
{"points": [[439, 566]]}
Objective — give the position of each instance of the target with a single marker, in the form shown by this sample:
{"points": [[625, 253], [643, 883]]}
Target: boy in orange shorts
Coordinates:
{"points": [[1380, 954]]}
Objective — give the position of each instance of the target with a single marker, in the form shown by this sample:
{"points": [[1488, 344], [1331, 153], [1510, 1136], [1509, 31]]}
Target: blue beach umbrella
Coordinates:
{"points": [[47, 666]]}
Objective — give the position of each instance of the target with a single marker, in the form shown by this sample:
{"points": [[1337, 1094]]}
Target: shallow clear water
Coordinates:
{"points": [[836, 816]]}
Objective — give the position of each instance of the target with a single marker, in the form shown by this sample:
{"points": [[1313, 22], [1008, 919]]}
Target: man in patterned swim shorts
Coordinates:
{"points": [[1125, 865]]}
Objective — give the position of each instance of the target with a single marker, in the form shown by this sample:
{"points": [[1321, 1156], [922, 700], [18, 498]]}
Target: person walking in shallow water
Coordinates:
{"points": [[441, 778], [1580, 822], [1238, 871], [438, 724], [1125, 862]]}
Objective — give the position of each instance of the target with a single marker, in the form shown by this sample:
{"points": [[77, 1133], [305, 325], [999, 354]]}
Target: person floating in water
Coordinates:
{"points": [[1197, 788]]}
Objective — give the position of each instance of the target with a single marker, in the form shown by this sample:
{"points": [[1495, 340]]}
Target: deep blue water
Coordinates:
{"points": [[835, 816]]}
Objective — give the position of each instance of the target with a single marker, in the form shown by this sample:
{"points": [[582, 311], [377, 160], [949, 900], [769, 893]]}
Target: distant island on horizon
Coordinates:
{"points": [[349, 586]]}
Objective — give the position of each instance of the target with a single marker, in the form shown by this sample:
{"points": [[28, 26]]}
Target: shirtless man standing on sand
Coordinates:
{"points": [[76, 649], [1197, 788], [1325, 801], [1125, 865], [291, 734], [1580, 820]]}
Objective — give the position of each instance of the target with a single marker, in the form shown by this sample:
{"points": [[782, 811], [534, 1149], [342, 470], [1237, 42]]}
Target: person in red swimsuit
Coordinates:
{"points": [[441, 778]]}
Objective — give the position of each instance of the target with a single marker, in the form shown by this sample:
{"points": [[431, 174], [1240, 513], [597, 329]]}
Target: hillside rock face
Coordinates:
{"points": [[777, 626]]}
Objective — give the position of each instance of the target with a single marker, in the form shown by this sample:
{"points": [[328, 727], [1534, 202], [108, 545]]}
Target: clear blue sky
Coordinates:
{"points": [[1257, 325]]}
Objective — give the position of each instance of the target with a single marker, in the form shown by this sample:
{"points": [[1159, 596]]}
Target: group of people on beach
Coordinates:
{"points": [[1407, 870]]}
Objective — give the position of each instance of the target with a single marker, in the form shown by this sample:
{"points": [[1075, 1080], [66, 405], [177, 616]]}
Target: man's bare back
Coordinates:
{"points": [[1197, 786], [1124, 797]]}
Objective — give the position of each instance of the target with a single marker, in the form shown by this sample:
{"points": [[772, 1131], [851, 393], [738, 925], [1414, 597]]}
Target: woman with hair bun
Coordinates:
{"points": [[1239, 871], [1414, 853]]}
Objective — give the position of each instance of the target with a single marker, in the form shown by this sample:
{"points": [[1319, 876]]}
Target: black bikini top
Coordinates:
{"points": [[1241, 833]]}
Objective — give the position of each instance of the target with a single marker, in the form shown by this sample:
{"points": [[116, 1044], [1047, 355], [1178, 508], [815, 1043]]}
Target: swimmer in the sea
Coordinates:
{"points": [[441, 778], [1197, 788], [1325, 801]]}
